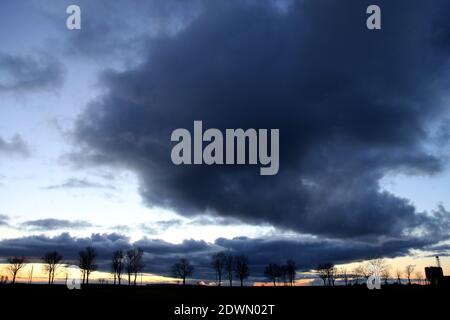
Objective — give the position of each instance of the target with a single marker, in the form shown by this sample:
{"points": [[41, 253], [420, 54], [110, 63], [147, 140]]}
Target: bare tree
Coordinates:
{"points": [[419, 277], [385, 275], [229, 268], [379, 267], [376, 265], [52, 262], [14, 266], [343, 274], [219, 264], [3, 279], [291, 270], [283, 274], [182, 269], [327, 272], [117, 264], [332, 274], [87, 263], [399, 276], [134, 263], [409, 269], [272, 272], [322, 273], [241, 268], [138, 263], [129, 257]]}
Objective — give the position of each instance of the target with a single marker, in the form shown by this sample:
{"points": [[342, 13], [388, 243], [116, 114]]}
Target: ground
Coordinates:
{"points": [[166, 302]]}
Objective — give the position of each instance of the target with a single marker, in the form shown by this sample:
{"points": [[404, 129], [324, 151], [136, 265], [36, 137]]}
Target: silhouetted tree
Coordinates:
{"points": [[327, 272], [343, 274], [219, 263], [182, 269], [356, 275], [14, 266], [138, 263], [409, 269], [117, 265], [52, 262], [399, 277], [3, 279], [385, 275], [229, 261], [272, 272], [129, 257], [291, 271], [378, 267], [361, 272], [87, 263], [419, 277], [322, 273], [241, 268], [134, 263]]}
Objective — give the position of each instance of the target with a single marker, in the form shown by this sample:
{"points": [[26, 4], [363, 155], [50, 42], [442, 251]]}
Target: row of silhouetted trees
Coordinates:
{"points": [[227, 267], [329, 273], [129, 263]]}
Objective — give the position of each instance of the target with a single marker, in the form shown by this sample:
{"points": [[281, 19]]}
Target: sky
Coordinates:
{"points": [[86, 117]]}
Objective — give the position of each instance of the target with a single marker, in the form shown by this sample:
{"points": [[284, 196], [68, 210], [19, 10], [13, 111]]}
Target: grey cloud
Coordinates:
{"points": [[14, 146], [119, 28], [148, 228], [351, 106], [211, 220], [74, 183], [25, 73], [166, 224], [4, 220], [54, 224], [162, 225]]}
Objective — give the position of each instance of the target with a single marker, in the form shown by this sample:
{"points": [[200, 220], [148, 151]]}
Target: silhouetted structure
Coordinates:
{"points": [[435, 275]]}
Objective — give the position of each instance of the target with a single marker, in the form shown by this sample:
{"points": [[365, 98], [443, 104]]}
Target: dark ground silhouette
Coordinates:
{"points": [[159, 301]]}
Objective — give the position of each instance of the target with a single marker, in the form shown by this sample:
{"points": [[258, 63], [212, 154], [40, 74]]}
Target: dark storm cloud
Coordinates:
{"points": [[352, 105], [54, 224], [74, 183], [14, 146], [25, 73]]}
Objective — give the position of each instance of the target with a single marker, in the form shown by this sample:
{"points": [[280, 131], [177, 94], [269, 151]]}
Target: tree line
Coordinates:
{"points": [[129, 264], [329, 274]]}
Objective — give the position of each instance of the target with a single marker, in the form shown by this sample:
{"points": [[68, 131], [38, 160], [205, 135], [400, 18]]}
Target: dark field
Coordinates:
{"points": [[160, 302]]}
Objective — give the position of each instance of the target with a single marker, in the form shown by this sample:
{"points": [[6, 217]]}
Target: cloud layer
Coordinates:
{"points": [[159, 255], [54, 224]]}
